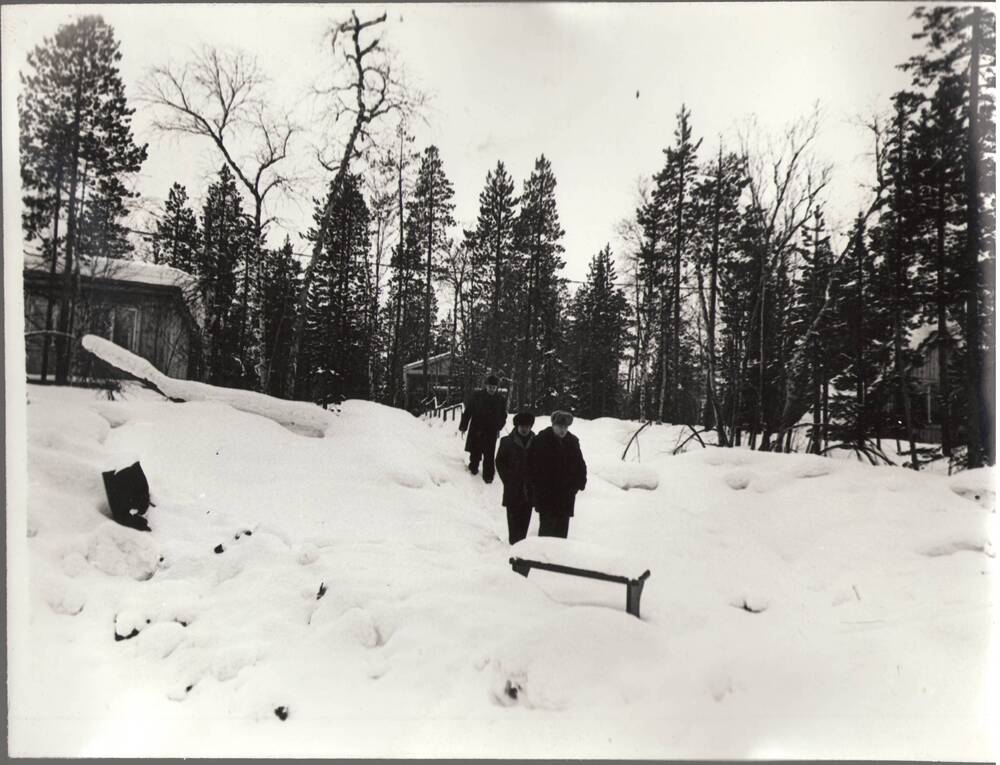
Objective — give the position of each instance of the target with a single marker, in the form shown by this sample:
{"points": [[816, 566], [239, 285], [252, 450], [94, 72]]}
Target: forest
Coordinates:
{"points": [[733, 307]]}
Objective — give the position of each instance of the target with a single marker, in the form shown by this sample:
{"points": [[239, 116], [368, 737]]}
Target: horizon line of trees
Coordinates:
{"points": [[728, 309]]}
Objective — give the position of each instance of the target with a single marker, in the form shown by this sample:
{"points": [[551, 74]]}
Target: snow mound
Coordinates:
{"points": [[581, 657], [120, 551], [977, 486], [627, 475], [738, 479]]}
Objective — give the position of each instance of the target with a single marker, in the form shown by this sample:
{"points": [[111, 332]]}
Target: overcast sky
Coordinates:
{"points": [[511, 82]]}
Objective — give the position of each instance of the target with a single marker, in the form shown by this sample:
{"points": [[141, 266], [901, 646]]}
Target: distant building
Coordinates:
{"points": [[439, 390], [925, 378], [154, 311]]}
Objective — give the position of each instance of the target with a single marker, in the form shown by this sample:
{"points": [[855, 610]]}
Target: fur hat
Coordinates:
{"points": [[560, 417], [524, 418], [492, 380]]}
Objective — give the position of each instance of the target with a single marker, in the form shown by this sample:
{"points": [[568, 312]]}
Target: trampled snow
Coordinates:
{"points": [[350, 595]]}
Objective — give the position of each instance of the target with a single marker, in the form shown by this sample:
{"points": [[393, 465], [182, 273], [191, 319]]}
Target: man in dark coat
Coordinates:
{"points": [[512, 465], [483, 416], [557, 472]]}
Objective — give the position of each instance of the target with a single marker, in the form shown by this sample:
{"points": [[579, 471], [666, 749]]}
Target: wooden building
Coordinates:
{"points": [[440, 389], [154, 311]]}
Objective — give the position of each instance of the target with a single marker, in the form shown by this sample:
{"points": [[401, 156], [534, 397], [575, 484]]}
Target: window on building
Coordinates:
{"points": [[126, 327]]}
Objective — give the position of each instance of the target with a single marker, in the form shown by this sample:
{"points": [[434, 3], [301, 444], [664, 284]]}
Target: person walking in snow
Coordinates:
{"points": [[483, 416], [512, 465], [556, 472]]}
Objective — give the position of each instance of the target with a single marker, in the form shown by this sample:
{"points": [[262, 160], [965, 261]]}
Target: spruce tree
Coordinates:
{"points": [[496, 267], [177, 240], [938, 170], [599, 324], [281, 272], [336, 343], [538, 236], [860, 345], [961, 43], [227, 237], [810, 286]]}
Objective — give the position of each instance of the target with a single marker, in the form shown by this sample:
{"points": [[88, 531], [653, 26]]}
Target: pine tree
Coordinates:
{"points": [[600, 313], [75, 136], [430, 217], [538, 236], [716, 223], [674, 187], [177, 240]]}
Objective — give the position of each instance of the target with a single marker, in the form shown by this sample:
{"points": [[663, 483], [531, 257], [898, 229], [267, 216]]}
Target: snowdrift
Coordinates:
{"points": [[349, 595]]}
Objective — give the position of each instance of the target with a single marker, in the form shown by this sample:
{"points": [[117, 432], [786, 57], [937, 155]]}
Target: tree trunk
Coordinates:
{"points": [[50, 306], [944, 338], [66, 300], [976, 428]]}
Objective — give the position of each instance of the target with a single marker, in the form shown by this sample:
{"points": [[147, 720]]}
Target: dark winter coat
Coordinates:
{"points": [[556, 471], [484, 415], [512, 465]]}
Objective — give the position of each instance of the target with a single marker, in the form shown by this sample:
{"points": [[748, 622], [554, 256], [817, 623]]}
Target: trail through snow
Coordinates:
{"points": [[350, 595]]}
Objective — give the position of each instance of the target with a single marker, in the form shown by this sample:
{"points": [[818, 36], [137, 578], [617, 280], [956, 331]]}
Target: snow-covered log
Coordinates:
{"points": [[299, 416]]}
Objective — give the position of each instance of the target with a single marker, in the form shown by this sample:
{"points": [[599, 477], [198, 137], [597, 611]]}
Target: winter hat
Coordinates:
{"points": [[560, 417], [524, 418], [492, 380]]}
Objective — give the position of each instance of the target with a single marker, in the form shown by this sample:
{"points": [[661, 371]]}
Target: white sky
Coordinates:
{"points": [[513, 81]]}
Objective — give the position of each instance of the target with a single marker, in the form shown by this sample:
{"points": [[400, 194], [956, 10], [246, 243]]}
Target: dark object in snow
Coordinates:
{"points": [[129, 636], [188, 689], [633, 585], [219, 549], [128, 496], [322, 591], [281, 712], [750, 609], [244, 533], [511, 690]]}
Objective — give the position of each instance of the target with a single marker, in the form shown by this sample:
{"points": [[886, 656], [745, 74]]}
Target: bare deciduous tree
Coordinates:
{"points": [[792, 408], [219, 95], [365, 87], [785, 183]]}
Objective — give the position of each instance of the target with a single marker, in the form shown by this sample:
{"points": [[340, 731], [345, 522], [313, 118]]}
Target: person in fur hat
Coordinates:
{"points": [[557, 472], [512, 459], [483, 416]]}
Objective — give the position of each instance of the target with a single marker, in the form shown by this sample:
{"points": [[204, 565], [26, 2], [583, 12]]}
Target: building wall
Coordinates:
{"points": [[150, 323]]}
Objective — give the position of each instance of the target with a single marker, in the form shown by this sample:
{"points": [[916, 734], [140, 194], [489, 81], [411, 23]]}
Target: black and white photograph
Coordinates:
{"points": [[500, 380]]}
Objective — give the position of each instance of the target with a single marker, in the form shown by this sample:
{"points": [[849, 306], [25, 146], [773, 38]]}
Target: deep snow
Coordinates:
{"points": [[798, 607]]}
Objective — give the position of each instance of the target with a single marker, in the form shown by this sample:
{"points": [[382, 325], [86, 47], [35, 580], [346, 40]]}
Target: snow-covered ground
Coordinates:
{"points": [[343, 589]]}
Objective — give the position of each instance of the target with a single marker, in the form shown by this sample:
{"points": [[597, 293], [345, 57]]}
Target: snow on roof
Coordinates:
{"points": [[134, 272], [119, 269], [420, 362], [925, 332]]}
